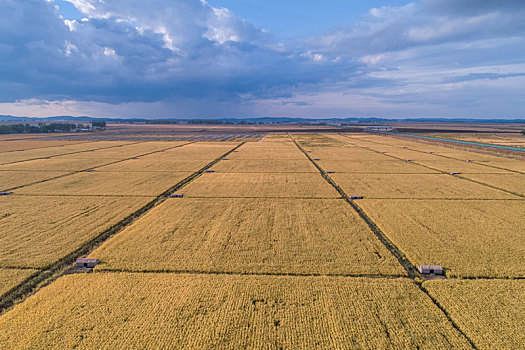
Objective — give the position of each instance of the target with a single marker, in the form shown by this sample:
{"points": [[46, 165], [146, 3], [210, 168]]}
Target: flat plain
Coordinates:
{"points": [[261, 251]]}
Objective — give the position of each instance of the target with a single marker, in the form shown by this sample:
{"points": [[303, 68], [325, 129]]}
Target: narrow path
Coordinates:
{"points": [[51, 272]]}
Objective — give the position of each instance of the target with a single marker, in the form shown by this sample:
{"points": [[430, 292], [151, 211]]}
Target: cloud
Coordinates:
{"points": [[186, 57]]}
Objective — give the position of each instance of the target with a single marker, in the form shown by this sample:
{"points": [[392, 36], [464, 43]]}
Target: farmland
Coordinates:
{"points": [[249, 235], [262, 247], [490, 310], [196, 311]]}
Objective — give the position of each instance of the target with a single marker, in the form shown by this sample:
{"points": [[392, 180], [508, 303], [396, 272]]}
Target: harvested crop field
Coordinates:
{"points": [[470, 238], [299, 185], [250, 235], [34, 236], [10, 278], [102, 183], [117, 310], [490, 311]]}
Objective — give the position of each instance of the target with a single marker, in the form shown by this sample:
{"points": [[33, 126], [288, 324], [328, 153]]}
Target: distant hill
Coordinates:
{"points": [[263, 120]]}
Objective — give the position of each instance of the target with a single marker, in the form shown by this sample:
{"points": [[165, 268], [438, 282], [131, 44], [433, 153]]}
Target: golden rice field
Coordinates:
{"points": [[262, 252], [415, 186], [56, 164], [102, 183], [22, 155], [125, 151], [249, 235], [38, 230], [15, 145], [510, 181], [382, 165], [10, 278], [262, 152], [266, 166], [490, 311], [471, 238], [10, 179], [298, 185], [120, 310]]}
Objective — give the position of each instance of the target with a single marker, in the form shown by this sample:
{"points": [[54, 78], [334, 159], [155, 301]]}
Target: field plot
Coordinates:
{"points": [[277, 185], [511, 164], [158, 162], [469, 238], [10, 278], [510, 182], [11, 179], [268, 152], [9, 157], [56, 164], [428, 186], [102, 183], [317, 140], [201, 150], [250, 235], [453, 165], [489, 311], [8, 146], [383, 165], [118, 310], [266, 166], [345, 153], [124, 151], [37, 231]]}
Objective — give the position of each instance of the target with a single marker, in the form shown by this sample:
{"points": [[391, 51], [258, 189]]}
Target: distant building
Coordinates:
{"points": [[85, 262], [430, 269]]}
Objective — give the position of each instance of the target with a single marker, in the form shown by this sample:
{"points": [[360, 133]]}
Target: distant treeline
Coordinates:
{"points": [[200, 121], [39, 128]]}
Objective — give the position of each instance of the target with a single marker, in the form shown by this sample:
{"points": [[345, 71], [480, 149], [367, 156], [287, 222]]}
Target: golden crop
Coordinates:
{"points": [[509, 181], [10, 179], [489, 311], [417, 186], [38, 230], [9, 278], [7, 146], [108, 183], [8, 157], [120, 310], [250, 235], [303, 185], [467, 237], [265, 166]]}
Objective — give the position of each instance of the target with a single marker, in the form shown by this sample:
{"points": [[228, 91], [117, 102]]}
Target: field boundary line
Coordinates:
{"points": [[95, 167], [51, 272], [240, 273], [413, 274], [66, 154], [439, 170]]}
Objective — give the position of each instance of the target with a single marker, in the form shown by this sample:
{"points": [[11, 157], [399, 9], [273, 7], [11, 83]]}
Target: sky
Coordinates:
{"points": [[263, 58]]}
